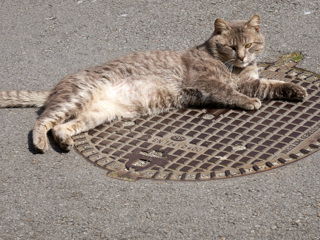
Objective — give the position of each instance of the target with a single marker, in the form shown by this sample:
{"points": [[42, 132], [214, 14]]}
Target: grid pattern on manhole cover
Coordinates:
{"points": [[203, 144]]}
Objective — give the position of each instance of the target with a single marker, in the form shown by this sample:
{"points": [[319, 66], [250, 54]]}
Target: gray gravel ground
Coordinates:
{"points": [[62, 196]]}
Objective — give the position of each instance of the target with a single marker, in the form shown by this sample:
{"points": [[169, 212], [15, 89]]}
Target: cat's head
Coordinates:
{"points": [[237, 43]]}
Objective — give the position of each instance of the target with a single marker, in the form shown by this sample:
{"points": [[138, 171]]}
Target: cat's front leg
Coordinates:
{"points": [[272, 89], [224, 95], [252, 85]]}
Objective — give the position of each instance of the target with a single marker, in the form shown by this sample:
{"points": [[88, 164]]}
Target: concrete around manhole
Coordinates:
{"points": [[204, 144]]}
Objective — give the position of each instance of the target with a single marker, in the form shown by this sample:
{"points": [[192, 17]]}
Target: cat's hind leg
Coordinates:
{"points": [[56, 112], [47, 120], [62, 133]]}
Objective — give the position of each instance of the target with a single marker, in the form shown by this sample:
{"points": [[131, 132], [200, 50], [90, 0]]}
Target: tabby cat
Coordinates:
{"points": [[221, 71]]}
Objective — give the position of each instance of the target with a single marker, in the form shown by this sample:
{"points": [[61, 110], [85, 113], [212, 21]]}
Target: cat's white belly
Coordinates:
{"points": [[130, 97]]}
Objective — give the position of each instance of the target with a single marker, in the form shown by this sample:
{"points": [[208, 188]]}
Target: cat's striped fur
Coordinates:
{"points": [[157, 81]]}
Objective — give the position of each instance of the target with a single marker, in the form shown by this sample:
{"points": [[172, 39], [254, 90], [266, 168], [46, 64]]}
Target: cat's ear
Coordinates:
{"points": [[254, 22], [220, 26]]}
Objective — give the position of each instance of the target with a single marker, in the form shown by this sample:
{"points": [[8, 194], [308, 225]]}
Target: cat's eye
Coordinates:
{"points": [[248, 45], [234, 48]]}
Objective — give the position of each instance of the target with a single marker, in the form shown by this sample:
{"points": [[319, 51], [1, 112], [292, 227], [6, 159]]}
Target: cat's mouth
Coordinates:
{"points": [[236, 63], [240, 64]]}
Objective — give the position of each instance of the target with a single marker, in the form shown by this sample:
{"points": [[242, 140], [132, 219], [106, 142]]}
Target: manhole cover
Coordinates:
{"points": [[204, 144]]}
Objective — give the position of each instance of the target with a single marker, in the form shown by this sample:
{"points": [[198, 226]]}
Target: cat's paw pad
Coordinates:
{"points": [[294, 92], [251, 104]]}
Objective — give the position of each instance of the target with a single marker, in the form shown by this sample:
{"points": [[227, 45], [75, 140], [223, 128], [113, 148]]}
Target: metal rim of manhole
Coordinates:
{"points": [[205, 144]]}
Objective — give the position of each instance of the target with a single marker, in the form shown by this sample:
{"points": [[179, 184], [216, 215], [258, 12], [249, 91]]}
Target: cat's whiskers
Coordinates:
{"points": [[230, 64]]}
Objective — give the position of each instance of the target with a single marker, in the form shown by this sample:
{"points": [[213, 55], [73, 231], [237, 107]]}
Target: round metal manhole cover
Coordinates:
{"points": [[204, 144]]}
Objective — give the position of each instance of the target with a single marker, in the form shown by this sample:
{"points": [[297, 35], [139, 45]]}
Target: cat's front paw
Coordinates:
{"points": [[250, 103], [293, 92]]}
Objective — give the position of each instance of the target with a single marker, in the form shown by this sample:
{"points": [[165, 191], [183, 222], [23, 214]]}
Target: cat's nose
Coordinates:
{"points": [[241, 58]]}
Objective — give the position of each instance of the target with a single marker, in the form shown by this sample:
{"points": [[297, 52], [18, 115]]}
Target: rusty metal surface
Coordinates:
{"points": [[204, 144]]}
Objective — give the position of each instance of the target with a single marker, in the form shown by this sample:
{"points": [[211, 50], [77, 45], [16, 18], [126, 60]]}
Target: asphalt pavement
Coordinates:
{"points": [[63, 196]]}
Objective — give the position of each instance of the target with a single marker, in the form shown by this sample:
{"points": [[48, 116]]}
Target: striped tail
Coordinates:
{"points": [[20, 98]]}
